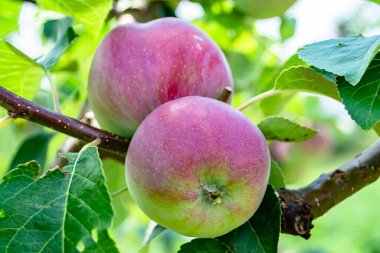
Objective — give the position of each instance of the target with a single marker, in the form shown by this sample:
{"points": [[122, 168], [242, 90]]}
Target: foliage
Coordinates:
{"points": [[74, 212], [71, 209]]}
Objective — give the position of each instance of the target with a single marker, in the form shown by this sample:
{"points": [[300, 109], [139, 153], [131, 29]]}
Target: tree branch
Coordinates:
{"points": [[20, 108], [299, 206]]}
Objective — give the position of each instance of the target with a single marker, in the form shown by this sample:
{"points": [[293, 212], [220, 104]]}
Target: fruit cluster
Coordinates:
{"points": [[195, 164]]}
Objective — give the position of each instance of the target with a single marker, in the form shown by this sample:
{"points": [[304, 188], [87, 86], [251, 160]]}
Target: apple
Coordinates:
{"points": [[138, 67], [198, 166]]}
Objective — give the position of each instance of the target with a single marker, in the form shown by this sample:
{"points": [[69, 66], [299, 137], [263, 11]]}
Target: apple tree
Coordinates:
{"points": [[200, 117]]}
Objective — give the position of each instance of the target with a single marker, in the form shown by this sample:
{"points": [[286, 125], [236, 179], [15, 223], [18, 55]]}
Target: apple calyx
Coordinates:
{"points": [[213, 195]]}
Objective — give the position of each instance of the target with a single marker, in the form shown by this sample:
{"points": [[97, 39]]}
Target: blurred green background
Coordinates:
{"points": [[257, 42]]}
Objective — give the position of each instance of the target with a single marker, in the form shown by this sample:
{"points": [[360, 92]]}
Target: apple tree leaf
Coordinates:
{"points": [[157, 230], [300, 78], [249, 237], [274, 104], [9, 12], [276, 178], [19, 73], [90, 13], [64, 38], [348, 57], [287, 27], [363, 100], [34, 147], [282, 129], [65, 210]]}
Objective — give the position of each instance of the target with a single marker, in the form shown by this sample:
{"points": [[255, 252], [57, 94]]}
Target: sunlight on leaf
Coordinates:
{"points": [[18, 73]]}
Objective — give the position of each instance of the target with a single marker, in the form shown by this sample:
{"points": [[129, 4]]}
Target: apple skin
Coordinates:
{"points": [[138, 67], [198, 167]]}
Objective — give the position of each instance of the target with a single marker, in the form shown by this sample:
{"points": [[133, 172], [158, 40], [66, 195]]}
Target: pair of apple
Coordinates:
{"points": [[195, 164]]}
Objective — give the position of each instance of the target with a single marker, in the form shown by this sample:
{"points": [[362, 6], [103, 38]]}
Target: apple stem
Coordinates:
{"points": [[214, 195], [225, 95]]}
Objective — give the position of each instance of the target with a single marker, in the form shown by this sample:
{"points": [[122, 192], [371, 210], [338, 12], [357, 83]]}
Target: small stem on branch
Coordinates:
{"points": [[54, 92], [116, 193], [260, 97], [6, 120]]}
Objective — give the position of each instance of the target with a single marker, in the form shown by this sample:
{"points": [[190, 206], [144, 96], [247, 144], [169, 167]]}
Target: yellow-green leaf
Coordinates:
{"points": [[19, 73]]}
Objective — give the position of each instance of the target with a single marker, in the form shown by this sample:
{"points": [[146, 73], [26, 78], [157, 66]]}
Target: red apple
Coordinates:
{"points": [[198, 167], [138, 67]]}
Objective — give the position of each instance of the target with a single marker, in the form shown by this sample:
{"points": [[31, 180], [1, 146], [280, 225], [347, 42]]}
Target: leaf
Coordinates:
{"points": [[260, 234], [287, 27], [9, 12], [58, 212], [275, 104], [90, 13], [348, 57], [276, 178], [18, 73], [34, 147], [157, 230], [282, 129], [302, 78], [66, 37], [204, 246], [363, 100]]}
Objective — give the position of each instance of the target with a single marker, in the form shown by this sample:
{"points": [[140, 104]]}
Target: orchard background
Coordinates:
{"points": [[56, 41]]}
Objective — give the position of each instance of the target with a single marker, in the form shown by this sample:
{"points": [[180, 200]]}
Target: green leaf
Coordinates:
{"points": [[260, 234], [34, 147], [18, 73], [264, 8], [305, 79], [59, 212], [282, 129], [363, 100], [276, 178], [64, 39], [287, 27], [90, 13], [204, 246], [157, 230], [9, 12], [348, 57]]}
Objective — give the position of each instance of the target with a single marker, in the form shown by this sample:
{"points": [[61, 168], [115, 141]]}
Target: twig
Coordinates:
{"points": [[301, 206], [21, 108], [118, 192], [260, 97], [54, 92]]}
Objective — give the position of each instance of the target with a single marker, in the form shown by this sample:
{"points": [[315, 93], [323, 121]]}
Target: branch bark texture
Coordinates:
{"points": [[299, 206], [20, 108], [302, 205]]}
